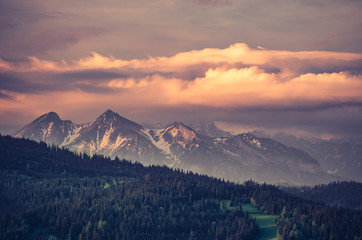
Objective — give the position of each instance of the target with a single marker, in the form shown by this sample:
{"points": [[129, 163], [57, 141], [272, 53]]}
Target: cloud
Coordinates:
{"points": [[231, 77], [249, 87], [17, 83], [213, 2], [5, 96], [91, 74], [338, 121], [29, 28], [239, 53], [228, 81], [132, 29]]}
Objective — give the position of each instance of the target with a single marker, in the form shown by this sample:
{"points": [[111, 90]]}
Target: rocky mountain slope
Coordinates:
{"points": [[49, 128], [342, 156], [236, 158]]}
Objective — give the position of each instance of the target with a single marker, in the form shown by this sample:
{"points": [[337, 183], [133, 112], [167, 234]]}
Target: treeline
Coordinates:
{"points": [[120, 208], [53, 191], [346, 194], [49, 190], [305, 219]]}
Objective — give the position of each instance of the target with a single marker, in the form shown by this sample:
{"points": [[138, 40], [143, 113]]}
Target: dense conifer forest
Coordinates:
{"points": [[347, 194], [50, 191]]}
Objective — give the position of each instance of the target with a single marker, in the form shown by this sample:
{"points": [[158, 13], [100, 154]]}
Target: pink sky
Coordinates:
{"points": [[246, 64]]}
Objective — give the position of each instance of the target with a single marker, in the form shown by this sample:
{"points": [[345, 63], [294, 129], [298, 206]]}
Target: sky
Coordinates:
{"points": [[278, 66]]}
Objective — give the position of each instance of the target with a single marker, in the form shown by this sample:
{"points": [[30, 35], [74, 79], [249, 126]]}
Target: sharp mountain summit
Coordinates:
{"points": [[236, 158]]}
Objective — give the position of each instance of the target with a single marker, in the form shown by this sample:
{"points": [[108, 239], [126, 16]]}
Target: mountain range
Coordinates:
{"points": [[236, 158], [339, 156]]}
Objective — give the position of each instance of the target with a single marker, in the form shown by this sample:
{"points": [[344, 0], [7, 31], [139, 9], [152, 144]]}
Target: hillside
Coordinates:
{"points": [[235, 158], [347, 194], [50, 191], [340, 156]]}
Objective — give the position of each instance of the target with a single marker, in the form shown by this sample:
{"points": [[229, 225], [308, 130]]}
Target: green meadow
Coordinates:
{"points": [[267, 227]]}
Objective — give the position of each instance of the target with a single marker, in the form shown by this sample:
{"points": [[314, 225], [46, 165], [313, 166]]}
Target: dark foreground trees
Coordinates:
{"points": [[47, 191], [51, 191], [303, 219]]}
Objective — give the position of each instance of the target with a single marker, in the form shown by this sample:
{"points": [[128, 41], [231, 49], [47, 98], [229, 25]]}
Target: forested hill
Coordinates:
{"points": [[48, 191], [347, 194]]}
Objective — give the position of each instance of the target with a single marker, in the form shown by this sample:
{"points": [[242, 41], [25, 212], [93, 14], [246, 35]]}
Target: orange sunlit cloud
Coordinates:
{"points": [[151, 61], [235, 77], [247, 87], [236, 53]]}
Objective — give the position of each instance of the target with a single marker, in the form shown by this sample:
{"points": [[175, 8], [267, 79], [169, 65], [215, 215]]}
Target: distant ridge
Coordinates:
{"points": [[341, 157], [237, 158]]}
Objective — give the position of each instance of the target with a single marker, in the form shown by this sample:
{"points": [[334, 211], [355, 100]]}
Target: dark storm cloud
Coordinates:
{"points": [[42, 83], [354, 67], [101, 75], [339, 121], [92, 75], [9, 82], [190, 74], [32, 83], [303, 107], [5, 96], [85, 87]]}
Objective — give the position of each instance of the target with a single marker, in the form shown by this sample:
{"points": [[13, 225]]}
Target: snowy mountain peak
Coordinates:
{"points": [[109, 113], [178, 125], [238, 157], [110, 118], [180, 131], [250, 140], [48, 128], [46, 118], [51, 116]]}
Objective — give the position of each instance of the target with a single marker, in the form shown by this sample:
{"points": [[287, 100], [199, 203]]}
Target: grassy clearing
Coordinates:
{"points": [[52, 237], [267, 228], [35, 234], [225, 204]]}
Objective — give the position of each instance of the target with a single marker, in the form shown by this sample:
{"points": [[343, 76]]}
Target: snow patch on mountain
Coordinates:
{"points": [[230, 153], [92, 148], [236, 158], [120, 142], [105, 142], [256, 143], [160, 143], [71, 136], [220, 140], [180, 132], [47, 131]]}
